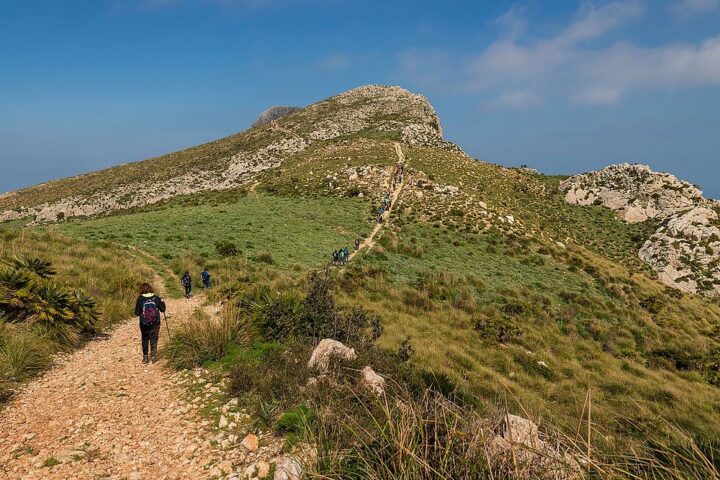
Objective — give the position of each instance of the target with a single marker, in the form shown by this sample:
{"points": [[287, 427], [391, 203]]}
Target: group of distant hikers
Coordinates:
{"points": [[148, 308], [386, 202], [341, 256], [187, 281]]}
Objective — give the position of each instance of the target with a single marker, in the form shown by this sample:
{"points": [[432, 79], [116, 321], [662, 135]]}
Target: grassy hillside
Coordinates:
{"points": [[481, 300], [294, 231], [485, 281]]}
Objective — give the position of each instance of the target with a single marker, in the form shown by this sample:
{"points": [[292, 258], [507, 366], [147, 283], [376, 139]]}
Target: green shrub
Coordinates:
{"points": [[227, 248], [264, 257], [294, 420], [282, 316], [495, 327], [276, 317]]}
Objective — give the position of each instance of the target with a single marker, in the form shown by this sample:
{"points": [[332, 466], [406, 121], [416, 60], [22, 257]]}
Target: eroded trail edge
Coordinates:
{"points": [[101, 413]]}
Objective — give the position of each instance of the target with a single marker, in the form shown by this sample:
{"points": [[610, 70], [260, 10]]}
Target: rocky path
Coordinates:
{"points": [[101, 413], [369, 242]]}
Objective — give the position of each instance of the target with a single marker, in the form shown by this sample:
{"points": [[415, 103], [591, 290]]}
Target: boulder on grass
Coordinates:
{"points": [[519, 451], [373, 381], [325, 351]]}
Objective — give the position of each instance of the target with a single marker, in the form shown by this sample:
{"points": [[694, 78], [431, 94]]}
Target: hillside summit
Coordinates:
{"points": [[685, 249], [231, 162]]}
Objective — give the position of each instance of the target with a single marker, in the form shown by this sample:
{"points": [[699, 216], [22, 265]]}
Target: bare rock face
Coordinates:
{"points": [[326, 350], [273, 113], [685, 250], [634, 191]]}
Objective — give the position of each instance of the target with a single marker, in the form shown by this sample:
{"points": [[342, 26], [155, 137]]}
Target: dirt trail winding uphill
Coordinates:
{"points": [[369, 242], [101, 413]]}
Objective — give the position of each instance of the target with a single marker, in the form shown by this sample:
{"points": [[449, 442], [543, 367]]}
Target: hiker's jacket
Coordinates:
{"points": [[146, 296], [186, 280]]}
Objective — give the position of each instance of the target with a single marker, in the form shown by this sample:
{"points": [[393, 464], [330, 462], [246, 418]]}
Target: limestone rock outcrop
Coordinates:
{"points": [[685, 249], [373, 381], [273, 113], [634, 191]]}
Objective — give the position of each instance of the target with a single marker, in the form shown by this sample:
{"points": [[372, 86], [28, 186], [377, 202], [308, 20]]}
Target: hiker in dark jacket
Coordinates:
{"points": [[148, 308], [186, 281], [205, 275]]}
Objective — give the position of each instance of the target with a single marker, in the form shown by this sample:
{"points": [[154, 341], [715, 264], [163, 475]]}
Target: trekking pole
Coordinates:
{"points": [[167, 325]]}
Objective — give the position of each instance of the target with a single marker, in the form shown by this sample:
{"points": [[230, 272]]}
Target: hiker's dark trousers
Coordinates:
{"points": [[150, 335], [188, 289]]}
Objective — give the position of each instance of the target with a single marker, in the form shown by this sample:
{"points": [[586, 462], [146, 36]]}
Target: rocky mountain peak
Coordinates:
{"points": [[372, 111], [273, 113]]}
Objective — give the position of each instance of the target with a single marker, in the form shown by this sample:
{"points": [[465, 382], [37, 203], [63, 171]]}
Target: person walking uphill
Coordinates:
{"points": [[148, 308], [205, 275], [186, 281]]}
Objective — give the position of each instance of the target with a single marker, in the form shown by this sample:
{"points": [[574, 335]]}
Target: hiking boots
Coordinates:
{"points": [[153, 358], [146, 359]]}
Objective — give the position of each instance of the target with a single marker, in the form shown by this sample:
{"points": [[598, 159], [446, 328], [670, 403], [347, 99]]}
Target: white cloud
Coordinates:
{"points": [[689, 7], [518, 99], [578, 62], [334, 62]]}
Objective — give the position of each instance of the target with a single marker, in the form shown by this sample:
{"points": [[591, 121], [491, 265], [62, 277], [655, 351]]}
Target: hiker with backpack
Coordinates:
{"points": [[186, 281], [346, 255], [148, 308], [357, 244], [205, 276]]}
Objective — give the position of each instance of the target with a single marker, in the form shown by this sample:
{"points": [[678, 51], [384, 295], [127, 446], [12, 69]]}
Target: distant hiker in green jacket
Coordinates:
{"points": [[148, 308]]}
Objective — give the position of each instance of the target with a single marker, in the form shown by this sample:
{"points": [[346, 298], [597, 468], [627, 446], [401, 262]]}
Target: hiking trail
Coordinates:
{"points": [[369, 242], [101, 413]]}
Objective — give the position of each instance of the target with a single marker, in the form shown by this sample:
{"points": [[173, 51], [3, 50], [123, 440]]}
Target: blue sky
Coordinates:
{"points": [[563, 86]]}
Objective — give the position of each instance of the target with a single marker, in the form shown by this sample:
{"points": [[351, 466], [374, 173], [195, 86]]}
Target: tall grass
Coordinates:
{"points": [[205, 338], [23, 354]]}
